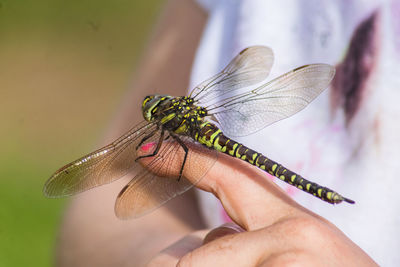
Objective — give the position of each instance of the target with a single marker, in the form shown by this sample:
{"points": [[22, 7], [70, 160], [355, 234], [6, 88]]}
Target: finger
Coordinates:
{"points": [[240, 249], [171, 255], [289, 242], [250, 198]]}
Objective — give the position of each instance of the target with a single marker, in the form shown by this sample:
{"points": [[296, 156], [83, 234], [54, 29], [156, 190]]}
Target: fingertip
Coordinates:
{"points": [[171, 255]]}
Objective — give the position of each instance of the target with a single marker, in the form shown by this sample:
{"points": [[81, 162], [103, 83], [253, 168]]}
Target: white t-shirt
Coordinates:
{"points": [[347, 139]]}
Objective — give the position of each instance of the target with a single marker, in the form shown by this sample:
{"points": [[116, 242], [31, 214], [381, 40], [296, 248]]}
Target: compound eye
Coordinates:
{"points": [[147, 99]]}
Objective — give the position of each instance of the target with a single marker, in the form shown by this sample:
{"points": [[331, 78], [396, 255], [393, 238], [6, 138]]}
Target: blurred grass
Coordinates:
{"points": [[64, 66]]}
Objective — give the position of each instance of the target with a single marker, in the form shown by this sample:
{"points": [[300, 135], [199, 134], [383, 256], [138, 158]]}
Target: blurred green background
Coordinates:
{"points": [[64, 66]]}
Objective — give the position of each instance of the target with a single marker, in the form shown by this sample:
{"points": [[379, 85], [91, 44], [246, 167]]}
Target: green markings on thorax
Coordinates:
{"points": [[167, 118], [188, 115]]}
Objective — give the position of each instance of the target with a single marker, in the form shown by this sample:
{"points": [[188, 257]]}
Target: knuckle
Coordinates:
{"points": [[186, 260], [305, 227]]}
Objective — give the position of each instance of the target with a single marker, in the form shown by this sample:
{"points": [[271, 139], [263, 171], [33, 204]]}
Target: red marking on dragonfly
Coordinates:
{"points": [[147, 147]]}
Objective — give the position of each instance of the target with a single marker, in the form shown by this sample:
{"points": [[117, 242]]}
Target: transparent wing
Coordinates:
{"points": [[252, 65], [158, 183], [149, 188], [278, 99], [99, 167]]}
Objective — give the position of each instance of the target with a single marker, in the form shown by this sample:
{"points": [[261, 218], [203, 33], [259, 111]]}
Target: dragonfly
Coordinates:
{"points": [[235, 102]]}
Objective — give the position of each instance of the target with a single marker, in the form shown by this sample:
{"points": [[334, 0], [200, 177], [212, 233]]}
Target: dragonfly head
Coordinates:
{"points": [[150, 105]]}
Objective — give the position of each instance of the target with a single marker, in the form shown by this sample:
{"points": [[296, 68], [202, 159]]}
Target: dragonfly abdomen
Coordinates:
{"points": [[211, 136]]}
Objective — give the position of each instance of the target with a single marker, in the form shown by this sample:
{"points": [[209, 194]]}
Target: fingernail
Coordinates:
{"points": [[233, 226], [223, 230]]}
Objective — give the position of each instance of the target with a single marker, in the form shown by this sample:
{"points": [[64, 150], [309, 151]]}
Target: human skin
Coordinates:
{"points": [[275, 228], [268, 229]]}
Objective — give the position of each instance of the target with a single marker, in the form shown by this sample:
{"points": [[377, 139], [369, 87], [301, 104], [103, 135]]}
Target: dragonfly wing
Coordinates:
{"points": [[252, 65], [278, 99], [146, 192], [159, 182], [99, 167]]}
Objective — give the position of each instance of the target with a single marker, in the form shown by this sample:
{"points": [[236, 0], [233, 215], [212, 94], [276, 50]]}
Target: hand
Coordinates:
{"points": [[270, 228]]}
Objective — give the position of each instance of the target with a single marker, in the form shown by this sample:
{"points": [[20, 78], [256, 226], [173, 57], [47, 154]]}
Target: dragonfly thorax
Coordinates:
{"points": [[177, 114]]}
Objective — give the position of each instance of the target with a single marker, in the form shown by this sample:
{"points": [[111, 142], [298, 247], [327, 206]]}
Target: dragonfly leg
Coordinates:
{"points": [[146, 137], [160, 141], [185, 148]]}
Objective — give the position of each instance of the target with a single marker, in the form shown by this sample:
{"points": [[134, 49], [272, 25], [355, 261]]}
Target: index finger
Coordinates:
{"points": [[250, 198]]}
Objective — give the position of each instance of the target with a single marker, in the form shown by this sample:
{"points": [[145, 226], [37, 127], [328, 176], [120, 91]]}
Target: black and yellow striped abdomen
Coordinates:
{"points": [[211, 136]]}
